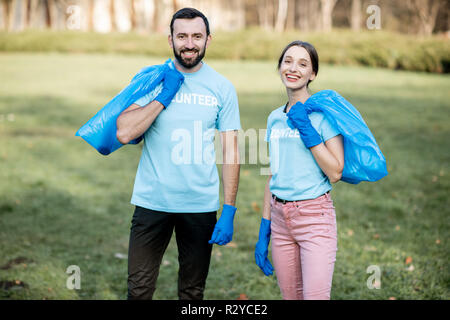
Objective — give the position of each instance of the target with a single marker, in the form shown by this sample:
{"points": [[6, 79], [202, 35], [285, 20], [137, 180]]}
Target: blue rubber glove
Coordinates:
{"points": [[172, 82], [223, 231], [262, 248], [298, 119]]}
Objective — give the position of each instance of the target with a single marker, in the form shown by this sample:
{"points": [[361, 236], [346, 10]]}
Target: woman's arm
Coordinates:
{"points": [[330, 157], [262, 246]]}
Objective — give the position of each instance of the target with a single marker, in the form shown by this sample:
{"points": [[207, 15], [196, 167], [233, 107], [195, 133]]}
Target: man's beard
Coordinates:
{"points": [[191, 63]]}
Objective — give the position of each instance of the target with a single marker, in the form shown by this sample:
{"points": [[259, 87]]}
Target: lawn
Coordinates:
{"points": [[62, 203]]}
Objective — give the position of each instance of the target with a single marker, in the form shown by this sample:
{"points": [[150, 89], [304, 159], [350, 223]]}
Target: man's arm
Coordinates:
{"points": [[223, 231], [135, 120], [231, 166]]}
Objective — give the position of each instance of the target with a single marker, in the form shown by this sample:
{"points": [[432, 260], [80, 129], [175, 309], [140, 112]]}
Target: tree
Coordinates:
{"points": [[265, 14], [327, 7], [427, 11], [281, 15], [291, 12], [355, 20]]}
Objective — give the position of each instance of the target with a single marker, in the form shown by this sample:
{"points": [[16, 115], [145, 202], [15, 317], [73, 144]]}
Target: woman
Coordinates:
{"points": [[306, 155]]}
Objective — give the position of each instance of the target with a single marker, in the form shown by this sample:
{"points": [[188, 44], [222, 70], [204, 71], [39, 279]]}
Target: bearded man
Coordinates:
{"points": [[177, 182]]}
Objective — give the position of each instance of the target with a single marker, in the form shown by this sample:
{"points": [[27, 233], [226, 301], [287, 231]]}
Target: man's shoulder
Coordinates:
{"points": [[218, 77]]}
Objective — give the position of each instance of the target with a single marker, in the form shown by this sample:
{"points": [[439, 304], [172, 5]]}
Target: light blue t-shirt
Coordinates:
{"points": [[177, 171], [295, 173]]}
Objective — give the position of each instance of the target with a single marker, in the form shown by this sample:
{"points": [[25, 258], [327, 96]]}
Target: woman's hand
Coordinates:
{"points": [[298, 118], [262, 248]]}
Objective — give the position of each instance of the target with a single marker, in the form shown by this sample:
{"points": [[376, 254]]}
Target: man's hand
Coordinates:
{"points": [[223, 231], [298, 118], [262, 248], [172, 82]]}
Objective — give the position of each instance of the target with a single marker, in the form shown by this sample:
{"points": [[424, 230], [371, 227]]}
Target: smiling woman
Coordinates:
{"points": [[308, 61], [298, 209]]}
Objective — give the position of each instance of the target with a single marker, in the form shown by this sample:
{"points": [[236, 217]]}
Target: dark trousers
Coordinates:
{"points": [[149, 237]]}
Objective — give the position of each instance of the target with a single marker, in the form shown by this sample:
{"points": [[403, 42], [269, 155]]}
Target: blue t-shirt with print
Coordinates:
{"points": [[295, 173], [177, 171]]}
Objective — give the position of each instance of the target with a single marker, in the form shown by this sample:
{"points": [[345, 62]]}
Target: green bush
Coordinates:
{"points": [[343, 47]]}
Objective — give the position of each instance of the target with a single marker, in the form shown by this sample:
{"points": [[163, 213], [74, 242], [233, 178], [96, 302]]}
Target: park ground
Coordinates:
{"points": [[63, 204]]}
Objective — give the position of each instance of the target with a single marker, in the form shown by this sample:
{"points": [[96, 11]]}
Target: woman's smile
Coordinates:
{"points": [[292, 77]]}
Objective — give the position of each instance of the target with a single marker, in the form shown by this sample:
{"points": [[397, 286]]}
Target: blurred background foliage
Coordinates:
{"points": [[341, 47], [407, 35]]}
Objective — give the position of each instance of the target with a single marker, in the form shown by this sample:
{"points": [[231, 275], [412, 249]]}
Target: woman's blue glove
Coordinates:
{"points": [[223, 231], [262, 248], [298, 119], [172, 82]]}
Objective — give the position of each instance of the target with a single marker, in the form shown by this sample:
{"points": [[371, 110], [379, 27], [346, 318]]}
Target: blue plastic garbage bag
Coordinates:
{"points": [[363, 159], [100, 130]]}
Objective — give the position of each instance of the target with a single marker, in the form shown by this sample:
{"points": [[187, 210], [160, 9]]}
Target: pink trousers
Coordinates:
{"points": [[304, 245]]}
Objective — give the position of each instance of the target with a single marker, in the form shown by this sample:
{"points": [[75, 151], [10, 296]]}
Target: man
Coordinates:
{"points": [[177, 184]]}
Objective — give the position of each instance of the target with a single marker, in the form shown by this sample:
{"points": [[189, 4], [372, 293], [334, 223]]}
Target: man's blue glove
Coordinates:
{"points": [[172, 82], [223, 231], [262, 248], [298, 119]]}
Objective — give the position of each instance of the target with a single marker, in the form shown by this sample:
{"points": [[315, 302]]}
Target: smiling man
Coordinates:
{"points": [[180, 190]]}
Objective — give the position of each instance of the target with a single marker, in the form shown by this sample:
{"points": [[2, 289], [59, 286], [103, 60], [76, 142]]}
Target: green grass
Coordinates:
{"points": [[62, 203]]}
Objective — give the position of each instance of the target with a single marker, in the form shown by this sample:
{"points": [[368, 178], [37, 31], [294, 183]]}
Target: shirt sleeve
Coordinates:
{"points": [[267, 136], [228, 117], [327, 130]]}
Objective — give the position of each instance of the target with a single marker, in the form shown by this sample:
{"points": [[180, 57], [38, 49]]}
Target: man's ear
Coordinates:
{"points": [[169, 39], [208, 41]]}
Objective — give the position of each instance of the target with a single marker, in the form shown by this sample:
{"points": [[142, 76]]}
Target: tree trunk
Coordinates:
{"points": [[102, 17], [133, 15], [53, 14], [2, 15], [112, 14], [32, 13], [17, 21], [231, 14], [28, 12], [302, 15], [327, 11], [355, 20], [315, 17], [291, 13], [427, 11], [90, 15], [48, 17], [263, 16], [281, 15], [163, 15]]}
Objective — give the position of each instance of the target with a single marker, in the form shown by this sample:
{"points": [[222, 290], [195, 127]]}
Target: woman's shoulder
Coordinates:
{"points": [[277, 112], [316, 115]]}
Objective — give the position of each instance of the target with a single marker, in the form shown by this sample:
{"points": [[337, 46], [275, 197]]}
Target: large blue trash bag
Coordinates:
{"points": [[363, 159], [100, 130]]}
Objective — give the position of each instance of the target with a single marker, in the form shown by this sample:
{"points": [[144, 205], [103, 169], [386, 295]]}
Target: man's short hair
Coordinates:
{"points": [[189, 13]]}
